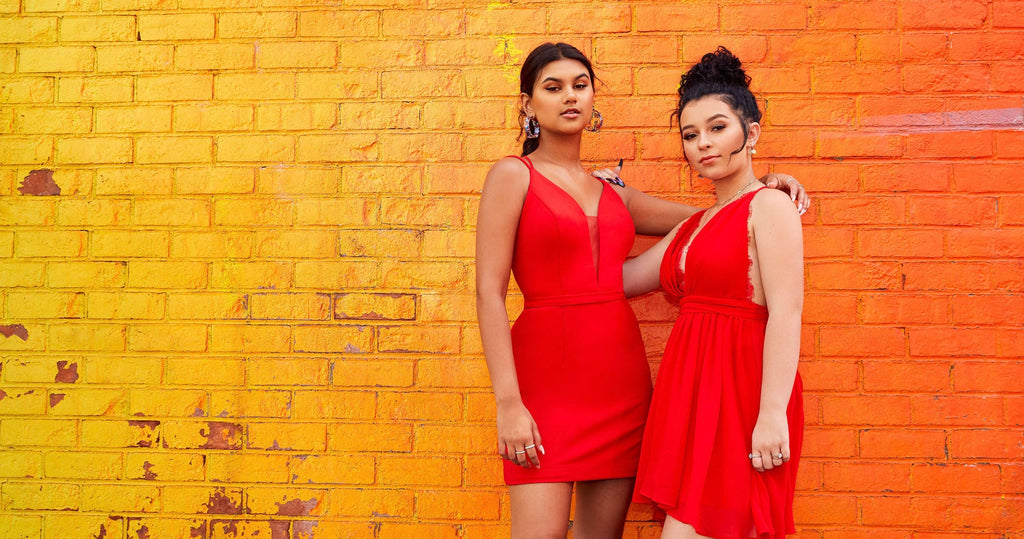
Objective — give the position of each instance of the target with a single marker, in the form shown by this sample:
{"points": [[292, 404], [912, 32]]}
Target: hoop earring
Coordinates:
{"points": [[596, 121], [531, 127]]}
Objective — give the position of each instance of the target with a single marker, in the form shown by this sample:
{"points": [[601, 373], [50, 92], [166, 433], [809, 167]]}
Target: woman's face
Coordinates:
{"points": [[711, 132], [563, 97]]}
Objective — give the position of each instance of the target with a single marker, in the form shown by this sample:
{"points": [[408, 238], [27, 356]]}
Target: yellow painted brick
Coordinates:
{"points": [[366, 373], [247, 275], [23, 527], [249, 338], [134, 58], [251, 212], [142, 119], [136, 243], [119, 369], [339, 23], [177, 27], [452, 373], [75, 182], [153, 274], [375, 306], [189, 371], [395, 243], [126, 305], [207, 306], [22, 402], [118, 498], [194, 500], [111, 89], [324, 469], [53, 120], [447, 275], [164, 337], [296, 244], [214, 56], [134, 181], [62, 5], [83, 465], [174, 87], [207, 117], [296, 54], [89, 337], [241, 467], [438, 243], [165, 466], [173, 149], [290, 306], [6, 245], [298, 180], [336, 274], [167, 403], [8, 60], [419, 406], [27, 90], [336, 211], [380, 115], [120, 433], [290, 436], [85, 274], [211, 245], [364, 502], [171, 212], [256, 148], [475, 115], [431, 83], [474, 51], [213, 180], [512, 20], [375, 53], [45, 496], [334, 404], [254, 86], [330, 148], [289, 501], [94, 150], [349, 339], [45, 432], [354, 84], [390, 437], [447, 308], [26, 151], [296, 116], [55, 59], [97, 28], [21, 305], [27, 211], [201, 435], [69, 244], [92, 212], [404, 147], [20, 464], [458, 505], [433, 23], [430, 211], [171, 528], [419, 471], [455, 179], [253, 24], [36, 339]]}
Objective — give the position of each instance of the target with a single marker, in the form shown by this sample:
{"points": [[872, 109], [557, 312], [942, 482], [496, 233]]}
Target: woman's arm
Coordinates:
{"points": [[501, 204], [779, 246], [641, 274]]}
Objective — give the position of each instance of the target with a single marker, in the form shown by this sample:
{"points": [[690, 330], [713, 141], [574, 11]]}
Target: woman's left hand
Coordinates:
{"points": [[787, 183], [770, 442]]}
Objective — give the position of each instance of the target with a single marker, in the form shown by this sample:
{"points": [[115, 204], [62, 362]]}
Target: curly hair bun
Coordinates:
{"points": [[718, 68]]}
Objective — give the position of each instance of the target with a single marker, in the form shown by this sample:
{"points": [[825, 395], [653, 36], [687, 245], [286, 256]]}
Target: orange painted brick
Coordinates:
{"points": [[671, 18], [393, 437], [946, 276], [375, 306], [419, 471], [862, 410], [907, 177], [900, 243], [308, 437], [844, 145], [424, 275], [906, 511], [242, 86], [256, 24], [923, 14], [998, 243], [880, 78], [939, 410], [420, 406], [343, 23], [902, 443], [469, 439], [830, 442], [957, 341], [324, 338], [811, 47], [987, 444], [397, 502], [449, 373], [457, 505], [392, 52], [601, 19], [348, 469], [946, 78], [387, 373], [483, 471], [249, 338], [987, 310], [986, 377], [863, 276], [891, 309], [787, 143], [942, 477], [829, 375], [436, 211], [654, 49], [867, 477], [334, 404], [860, 16], [826, 508], [889, 376], [328, 148], [750, 17], [344, 85], [874, 210], [336, 275]]}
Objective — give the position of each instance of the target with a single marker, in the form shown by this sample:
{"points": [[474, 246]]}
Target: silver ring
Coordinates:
{"points": [[531, 446], [753, 456], [779, 456], [520, 452]]}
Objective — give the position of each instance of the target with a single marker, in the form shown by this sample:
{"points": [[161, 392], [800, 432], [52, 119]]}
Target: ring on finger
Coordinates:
{"points": [[753, 456], [521, 452], [531, 446]]}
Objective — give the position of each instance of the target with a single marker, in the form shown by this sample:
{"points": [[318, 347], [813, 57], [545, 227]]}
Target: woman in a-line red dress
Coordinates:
{"points": [[580, 360], [695, 463]]}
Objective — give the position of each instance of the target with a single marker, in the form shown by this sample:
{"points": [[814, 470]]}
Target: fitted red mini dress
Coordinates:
{"points": [[694, 463], [582, 370]]}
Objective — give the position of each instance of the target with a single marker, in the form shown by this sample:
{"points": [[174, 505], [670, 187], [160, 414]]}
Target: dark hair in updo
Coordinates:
{"points": [[720, 74], [534, 63]]}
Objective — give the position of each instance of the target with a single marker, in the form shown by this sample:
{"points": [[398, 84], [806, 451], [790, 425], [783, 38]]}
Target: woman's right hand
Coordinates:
{"points": [[518, 437]]}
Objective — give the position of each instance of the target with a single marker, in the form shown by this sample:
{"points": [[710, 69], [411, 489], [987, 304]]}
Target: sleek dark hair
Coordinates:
{"points": [[720, 74], [535, 61]]}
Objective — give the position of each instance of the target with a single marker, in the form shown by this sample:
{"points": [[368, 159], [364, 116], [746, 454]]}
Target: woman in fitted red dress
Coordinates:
{"points": [[723, 438]]}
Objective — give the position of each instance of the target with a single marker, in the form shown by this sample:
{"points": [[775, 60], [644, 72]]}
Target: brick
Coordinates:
{"points": [[158, 274], [38, 432], [922, 14], [873, 78], [249, 338], [308, 437], [250, 24], [332, 470], [939, 410], [296, 54], [812, 47], [134, 58], [297, 306], [397, 243], [342, 23], [433, 23], [786, 143], [327, 148], [114, 498], [129, 244], [23, 403], [907, 511], [80, 465], [375, 306], [178, 27], [682, 18], [213, 180], [986, 377], [422, 211], [230, 86], [764, 17], [363, 373], [420, 471], [902, 443], [244, 275], [207, 306], [350, 339], [858, 16], [998, 243], [655, 50], [866, 276], [94, 150], [252, 212], [53, 120], [133, 182], [173, 149], [28, 30], [601, 19], [875, 210], [26, 212], [50, 244], [208, 117], [392, 437], [977, 310], [457, 505], [844, 145], [259, 148], [21, 464], [240, 467], [344, 85], [264, 403], [27, 90], [200, 372], [898, 243], [306, 244], [422, 83], [55, 59], [293, 117], [164, 466], [46, 496], [87, 337], [986, 444], [952, 342], [869, 477], [907, 177], [336, 212], [365, 502], [419, 406], [34, 151], [110, 305], [97, 28], [300, 372], [916, 376], [174, 87], [946, 78], [946, 276]]}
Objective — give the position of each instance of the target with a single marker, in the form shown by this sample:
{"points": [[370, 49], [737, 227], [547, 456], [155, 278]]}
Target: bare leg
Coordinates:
{"points": [[601, 508], [677, 530], [540, 510]]}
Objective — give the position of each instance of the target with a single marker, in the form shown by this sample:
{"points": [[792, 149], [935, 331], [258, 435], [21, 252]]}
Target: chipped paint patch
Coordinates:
{"points": [[279, 529], [55, 398], [221, 435], [67, 373], [222, 504], [14, 330], [39, 183], [147, 471], [198, 532], [296, 507]]}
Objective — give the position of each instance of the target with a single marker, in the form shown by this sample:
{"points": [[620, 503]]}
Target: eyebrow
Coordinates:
{"points": [[578, 77], [715, 117]]}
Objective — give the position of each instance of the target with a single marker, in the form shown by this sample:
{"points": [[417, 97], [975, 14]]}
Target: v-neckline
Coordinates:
{"points": [[600, 198], [684, 256]]}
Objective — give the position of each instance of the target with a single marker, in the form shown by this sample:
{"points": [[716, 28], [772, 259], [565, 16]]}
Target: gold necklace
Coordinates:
{"points": [[736, 194]]}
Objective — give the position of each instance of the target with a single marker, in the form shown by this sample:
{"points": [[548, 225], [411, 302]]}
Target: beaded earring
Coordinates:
{"points": [[531, 127], [596, 121]]}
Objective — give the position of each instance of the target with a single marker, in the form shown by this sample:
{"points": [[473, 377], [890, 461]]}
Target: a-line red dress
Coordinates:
{"points": [[694, 464], [580, 361]]}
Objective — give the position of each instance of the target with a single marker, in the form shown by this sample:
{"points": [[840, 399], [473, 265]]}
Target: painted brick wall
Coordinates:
{"points": [[236, 239]]}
